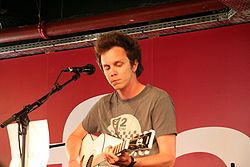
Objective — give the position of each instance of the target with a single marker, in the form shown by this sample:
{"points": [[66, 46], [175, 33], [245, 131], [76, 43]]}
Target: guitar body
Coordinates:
{"points": [[93, 147]]}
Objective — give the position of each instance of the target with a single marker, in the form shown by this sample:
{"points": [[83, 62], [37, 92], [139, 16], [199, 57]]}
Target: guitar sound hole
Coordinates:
{"points": [[90, 160]]}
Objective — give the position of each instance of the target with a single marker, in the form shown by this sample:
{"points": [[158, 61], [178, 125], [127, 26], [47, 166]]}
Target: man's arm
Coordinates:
{"points": [[73, 145], [165, 157]]}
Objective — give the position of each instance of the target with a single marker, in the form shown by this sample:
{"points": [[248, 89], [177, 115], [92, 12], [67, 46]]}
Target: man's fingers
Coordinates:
{"points": [[110, 156]]}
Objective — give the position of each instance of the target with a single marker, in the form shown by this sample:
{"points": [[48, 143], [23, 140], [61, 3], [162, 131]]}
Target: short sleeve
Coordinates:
{"points": [[163, 116], [89, 123]]}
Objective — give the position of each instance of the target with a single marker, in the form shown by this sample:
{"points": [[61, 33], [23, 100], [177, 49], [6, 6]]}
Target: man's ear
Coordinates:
{"points": [[135, 66]]}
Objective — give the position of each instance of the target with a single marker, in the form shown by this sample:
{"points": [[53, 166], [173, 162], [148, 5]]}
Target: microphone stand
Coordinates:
{"points": [[22, 116]]}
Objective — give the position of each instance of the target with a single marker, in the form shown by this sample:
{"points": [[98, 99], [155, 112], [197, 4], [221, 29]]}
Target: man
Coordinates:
{"points": [[132, 108]]}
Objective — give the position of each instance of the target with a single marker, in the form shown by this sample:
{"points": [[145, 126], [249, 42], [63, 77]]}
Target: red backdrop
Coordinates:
{"points": [[207, 73]]}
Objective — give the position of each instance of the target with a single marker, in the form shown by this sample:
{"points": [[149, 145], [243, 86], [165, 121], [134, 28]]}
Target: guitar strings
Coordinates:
{"points": [[104, 139], [91, 137]]}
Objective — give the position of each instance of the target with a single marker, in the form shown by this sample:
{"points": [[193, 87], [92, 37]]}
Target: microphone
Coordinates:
{"points": [[88, 69]]}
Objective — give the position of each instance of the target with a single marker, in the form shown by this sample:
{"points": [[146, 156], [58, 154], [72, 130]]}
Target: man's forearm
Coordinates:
{"points": [[163, 160], [73, 146]]}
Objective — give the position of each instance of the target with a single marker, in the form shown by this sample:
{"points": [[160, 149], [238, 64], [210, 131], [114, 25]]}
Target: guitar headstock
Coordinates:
{"points": [[142, 142]]}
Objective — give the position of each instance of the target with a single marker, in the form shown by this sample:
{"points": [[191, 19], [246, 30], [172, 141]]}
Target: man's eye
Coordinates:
{"points": [[119, 64], [106, 67]]}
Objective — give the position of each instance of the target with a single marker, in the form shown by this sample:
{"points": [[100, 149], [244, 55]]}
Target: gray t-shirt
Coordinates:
{"points": [[150, 109]]}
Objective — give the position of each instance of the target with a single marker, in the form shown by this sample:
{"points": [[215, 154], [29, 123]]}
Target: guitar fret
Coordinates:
{"points": [[122, 148], [116, 149], [123, 144], [119, 150]]}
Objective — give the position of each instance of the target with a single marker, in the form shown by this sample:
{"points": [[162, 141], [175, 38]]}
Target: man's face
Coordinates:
{"points": [[117, 68]]}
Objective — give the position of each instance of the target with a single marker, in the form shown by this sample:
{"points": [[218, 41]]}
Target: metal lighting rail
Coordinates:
{"points": [[163, 28]]}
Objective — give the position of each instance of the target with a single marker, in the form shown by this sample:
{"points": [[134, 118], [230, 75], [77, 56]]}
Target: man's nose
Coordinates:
{"points": [[113, 71]]}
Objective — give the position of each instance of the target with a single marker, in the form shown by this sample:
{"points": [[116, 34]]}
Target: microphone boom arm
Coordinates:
{"points": [[31, 107], [22, 118]]}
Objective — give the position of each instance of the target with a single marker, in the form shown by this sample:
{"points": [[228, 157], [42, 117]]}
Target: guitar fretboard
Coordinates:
{"points": [[120, 147]]}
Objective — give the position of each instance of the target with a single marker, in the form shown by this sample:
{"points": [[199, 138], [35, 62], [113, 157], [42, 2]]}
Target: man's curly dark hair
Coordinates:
{"points": [[108, 40]]}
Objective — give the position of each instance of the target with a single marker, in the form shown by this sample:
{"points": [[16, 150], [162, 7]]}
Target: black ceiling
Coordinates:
{"points": [[15, 13]]}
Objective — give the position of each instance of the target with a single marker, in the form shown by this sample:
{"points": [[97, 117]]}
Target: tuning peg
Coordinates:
{"points": [[141, 153], [146, 152], [135, 153]]}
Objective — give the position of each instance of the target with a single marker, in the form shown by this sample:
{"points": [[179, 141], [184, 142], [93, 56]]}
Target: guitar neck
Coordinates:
{"points": [[120, 147], [117, 149]]}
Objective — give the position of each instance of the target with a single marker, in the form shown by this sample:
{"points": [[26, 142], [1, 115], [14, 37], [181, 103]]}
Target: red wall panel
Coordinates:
{"points": [[207, 73]]}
